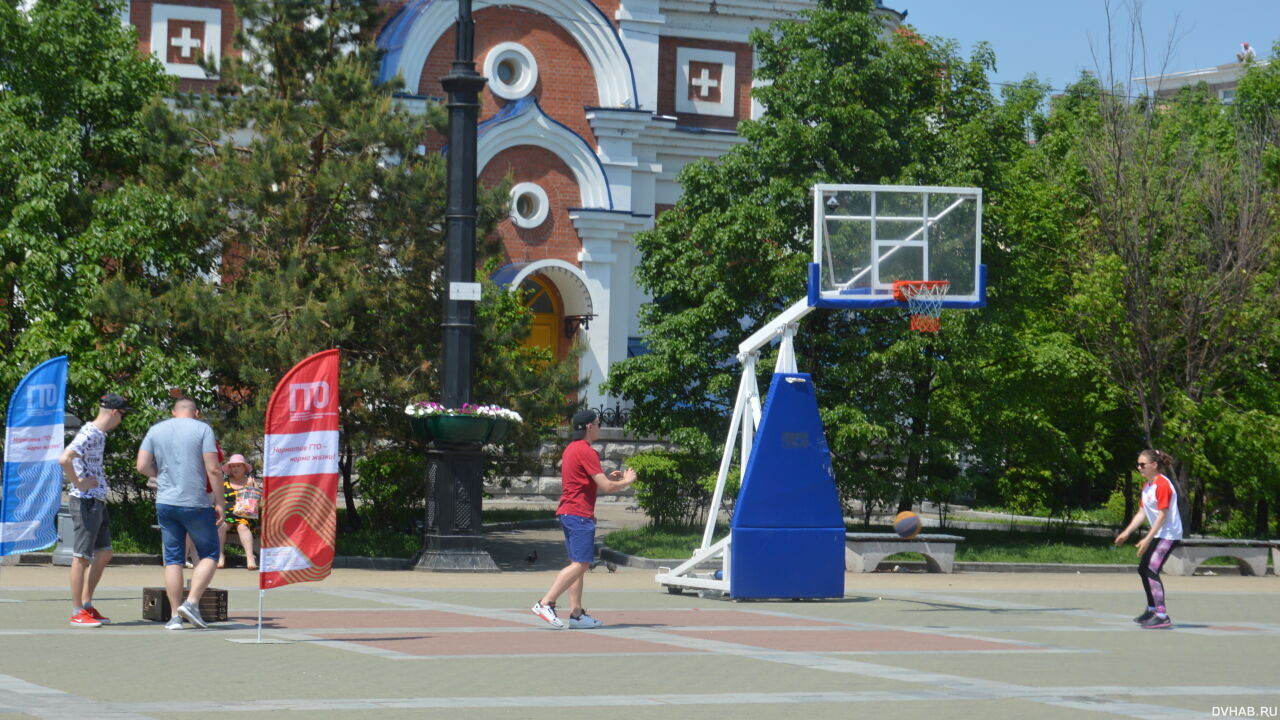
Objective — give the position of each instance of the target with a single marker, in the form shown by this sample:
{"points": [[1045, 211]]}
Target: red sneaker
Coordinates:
{"points": [[84, 619], [93, 612]]}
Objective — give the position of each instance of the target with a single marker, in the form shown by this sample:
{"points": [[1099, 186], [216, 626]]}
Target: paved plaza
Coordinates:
{"points": [[402, 644]]}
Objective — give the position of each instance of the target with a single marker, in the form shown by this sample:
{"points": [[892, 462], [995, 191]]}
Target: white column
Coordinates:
{"points": [[640, 24], [617, 132], [605, 260], [757, 108]]}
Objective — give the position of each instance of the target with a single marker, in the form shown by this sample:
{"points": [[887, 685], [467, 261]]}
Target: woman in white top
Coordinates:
{"points": [[1159, 507]]}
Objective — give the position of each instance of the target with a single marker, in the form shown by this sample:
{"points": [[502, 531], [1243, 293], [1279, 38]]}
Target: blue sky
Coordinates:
{"points": [[1056, 39]]}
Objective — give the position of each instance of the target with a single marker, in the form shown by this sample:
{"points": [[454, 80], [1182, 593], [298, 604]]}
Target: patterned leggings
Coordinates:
{"points": [[1149, 570]]}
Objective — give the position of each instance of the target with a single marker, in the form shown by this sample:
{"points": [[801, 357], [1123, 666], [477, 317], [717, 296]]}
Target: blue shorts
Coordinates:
{"points": [[579, 538], [177, 522]]}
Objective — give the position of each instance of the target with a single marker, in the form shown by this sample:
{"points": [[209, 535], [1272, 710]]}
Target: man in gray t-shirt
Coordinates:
{"points": [[182, 456]]}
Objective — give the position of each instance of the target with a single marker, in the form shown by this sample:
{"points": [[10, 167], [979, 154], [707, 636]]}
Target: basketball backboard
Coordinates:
{"points": [[866, 237]]}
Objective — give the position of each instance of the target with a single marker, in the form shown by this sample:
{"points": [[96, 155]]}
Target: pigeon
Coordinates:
{"points": [[532, 557], [611, 567], [594, 565]]}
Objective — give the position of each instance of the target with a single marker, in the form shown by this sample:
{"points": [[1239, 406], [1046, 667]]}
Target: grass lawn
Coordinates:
{"points": [[1052, 545]]}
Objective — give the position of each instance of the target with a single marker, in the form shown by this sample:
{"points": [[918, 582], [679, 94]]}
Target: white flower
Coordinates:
{"points": [[425, 409]]}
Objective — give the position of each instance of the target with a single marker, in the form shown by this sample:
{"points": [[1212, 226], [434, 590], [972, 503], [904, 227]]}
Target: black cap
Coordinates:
{"points": [[112, 401], [581, 420]]}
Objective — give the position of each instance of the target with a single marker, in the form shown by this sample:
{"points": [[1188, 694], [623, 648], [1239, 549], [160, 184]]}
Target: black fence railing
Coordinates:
{"points": [[613, 417]]}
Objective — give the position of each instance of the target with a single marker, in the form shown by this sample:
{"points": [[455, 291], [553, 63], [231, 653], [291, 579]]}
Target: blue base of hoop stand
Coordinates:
{"points": [[788, 526]]}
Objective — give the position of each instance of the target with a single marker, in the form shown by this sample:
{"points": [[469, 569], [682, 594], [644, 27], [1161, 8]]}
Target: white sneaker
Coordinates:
{"points": [[175, 623], [584, 622], [192, 615], [548, 613]]}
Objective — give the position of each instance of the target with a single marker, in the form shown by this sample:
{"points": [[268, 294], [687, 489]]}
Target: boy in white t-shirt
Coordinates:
{"points": [[81, 463]]}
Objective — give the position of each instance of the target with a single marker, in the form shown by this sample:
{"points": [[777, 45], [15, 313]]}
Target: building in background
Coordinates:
{"points": [[592, 108], [1221, 79]]}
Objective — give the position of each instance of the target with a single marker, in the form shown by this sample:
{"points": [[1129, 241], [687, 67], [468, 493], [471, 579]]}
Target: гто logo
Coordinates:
{"points": [[306, 400], [42, 399]]}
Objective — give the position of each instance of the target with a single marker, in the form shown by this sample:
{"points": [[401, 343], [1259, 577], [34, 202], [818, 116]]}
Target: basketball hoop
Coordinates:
{"points": [[924, 300]]}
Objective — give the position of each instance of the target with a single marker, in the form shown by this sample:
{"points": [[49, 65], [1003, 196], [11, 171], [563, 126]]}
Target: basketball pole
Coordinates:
{"points": [[744, 421]]}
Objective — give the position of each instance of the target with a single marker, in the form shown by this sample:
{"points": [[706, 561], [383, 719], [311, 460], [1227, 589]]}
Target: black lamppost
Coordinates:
{"points": [[454, 482]]}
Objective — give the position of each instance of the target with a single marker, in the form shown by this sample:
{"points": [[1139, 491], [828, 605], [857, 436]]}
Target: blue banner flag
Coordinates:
{"points": [[33, 440]]}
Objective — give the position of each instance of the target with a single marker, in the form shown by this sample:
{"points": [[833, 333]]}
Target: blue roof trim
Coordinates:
{"points": [[505, 274], [590, 108], [704, 131], [617, 38], [510, 111], [628, 213], [513, 110], [392, 38], [416, 96], [393, 35]]}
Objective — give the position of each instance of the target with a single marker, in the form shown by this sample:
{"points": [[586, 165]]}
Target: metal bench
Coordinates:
{"points": [[1250, 555], [864, 551]]}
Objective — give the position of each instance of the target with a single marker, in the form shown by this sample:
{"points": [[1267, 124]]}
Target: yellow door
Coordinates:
{"points": [[543, 332], [544, 301]]}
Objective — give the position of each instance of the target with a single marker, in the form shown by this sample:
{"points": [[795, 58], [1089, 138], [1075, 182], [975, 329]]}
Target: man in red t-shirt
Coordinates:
{"points": [[581, 477]]}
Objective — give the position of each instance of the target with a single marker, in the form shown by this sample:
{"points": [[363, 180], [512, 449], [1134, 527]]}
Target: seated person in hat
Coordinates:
{"points": [[239, 476]]}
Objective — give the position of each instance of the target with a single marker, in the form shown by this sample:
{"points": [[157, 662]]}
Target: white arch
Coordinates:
{"points": [[533, 127], [579, 18], [569, 280]]}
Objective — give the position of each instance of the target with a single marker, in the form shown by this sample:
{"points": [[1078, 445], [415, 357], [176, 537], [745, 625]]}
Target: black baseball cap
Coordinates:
{"points": [[112, 401], [581, 420]]}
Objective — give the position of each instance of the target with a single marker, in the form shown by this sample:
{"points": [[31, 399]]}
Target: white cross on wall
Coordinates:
{"points": [[186, 42], [704, 83]]}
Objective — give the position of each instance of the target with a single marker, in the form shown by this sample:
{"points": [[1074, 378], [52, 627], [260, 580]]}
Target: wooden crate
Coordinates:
{"points": [[155, 605]]}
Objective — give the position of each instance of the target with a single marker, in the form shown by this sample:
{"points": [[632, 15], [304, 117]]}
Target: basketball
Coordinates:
{"points": [[907, 524]]}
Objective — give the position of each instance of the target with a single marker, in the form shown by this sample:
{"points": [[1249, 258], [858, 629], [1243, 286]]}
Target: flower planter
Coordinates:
{"points": [[459, 428], [501, 429], [420, 431]]}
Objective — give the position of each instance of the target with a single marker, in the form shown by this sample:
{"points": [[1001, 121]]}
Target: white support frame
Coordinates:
{"points": [[742, 425]]}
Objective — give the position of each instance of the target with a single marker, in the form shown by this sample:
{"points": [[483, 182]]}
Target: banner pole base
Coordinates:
{"points": [[259, 641]]}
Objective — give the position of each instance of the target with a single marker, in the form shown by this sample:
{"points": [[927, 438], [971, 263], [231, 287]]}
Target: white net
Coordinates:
{"points": [[924, 301]]}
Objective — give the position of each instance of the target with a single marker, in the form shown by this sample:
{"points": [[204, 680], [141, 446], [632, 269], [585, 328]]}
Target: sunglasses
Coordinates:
{"points": [[1142, 465]]}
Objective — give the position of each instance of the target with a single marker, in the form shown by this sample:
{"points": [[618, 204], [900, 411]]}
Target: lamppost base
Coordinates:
{"points": [[454, 553]]}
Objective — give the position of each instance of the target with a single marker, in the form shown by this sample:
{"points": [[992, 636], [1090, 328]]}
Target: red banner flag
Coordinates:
{"points": [[300, 474]]}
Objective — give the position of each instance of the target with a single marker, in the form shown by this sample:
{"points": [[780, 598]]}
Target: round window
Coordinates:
{"points": [[508, 72], [511, 70], [529, 205]]}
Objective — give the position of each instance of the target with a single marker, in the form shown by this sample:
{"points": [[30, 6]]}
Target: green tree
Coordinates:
{"points": [[1172, 272], [848, 99], [75, 210], [1153, 221], [1052, 431], [309, 179]]}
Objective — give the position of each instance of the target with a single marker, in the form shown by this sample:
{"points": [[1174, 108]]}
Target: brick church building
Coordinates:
{"points": [[592, 107]]}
